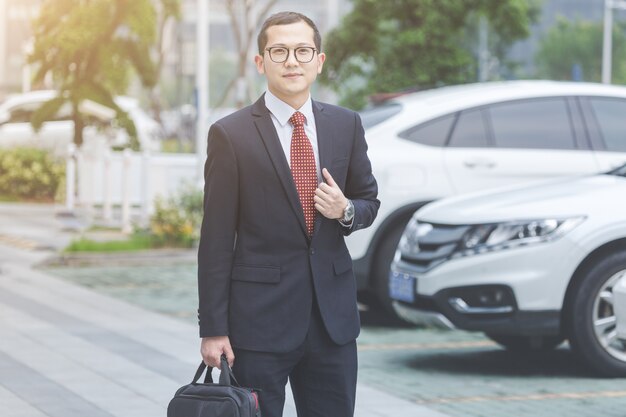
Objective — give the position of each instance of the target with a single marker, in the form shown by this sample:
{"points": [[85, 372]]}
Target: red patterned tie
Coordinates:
{"points": [[303, 169]]}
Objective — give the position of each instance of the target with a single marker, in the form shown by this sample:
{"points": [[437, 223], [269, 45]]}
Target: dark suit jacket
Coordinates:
{"points": [[258, 271]]}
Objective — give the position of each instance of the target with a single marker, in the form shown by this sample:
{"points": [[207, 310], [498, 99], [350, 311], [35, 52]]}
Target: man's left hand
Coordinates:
{"points": [[329, 199]]}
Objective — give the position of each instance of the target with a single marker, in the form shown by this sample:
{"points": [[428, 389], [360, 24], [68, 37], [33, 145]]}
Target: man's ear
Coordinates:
{"points": [[258, 61], [321, 58]]}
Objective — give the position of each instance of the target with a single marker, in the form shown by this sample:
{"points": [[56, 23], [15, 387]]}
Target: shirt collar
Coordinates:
{"points": [[283, 111]]}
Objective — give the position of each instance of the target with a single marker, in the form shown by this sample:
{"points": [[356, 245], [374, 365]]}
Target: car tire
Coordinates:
{"points": [[384, 255], [517, 343], [589, 317]]}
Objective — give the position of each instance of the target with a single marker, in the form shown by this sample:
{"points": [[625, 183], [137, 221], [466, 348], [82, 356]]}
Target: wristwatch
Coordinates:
{"points": [[348, 213]]}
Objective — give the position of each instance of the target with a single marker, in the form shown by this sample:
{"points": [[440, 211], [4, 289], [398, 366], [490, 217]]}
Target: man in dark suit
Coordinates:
{"points": [[285, 180]]}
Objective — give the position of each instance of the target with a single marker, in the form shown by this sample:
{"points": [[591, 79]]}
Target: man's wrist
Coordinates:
{"points": [[348, 213]]}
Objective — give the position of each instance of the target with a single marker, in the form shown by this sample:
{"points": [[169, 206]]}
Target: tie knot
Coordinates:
{"points": [[297, 119]]}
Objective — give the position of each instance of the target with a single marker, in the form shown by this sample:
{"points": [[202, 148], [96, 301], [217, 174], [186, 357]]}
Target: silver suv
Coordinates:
{"points": [[453, 140]]}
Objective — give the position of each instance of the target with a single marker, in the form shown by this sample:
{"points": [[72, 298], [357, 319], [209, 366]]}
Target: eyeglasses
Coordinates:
{"points": [[280, 54]]}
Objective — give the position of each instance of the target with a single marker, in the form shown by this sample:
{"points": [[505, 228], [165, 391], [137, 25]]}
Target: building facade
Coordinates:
{"points": [[15, 37]]}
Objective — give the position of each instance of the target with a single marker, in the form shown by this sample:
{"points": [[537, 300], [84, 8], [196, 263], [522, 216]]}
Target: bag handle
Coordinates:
{"points": [[226, 375]]}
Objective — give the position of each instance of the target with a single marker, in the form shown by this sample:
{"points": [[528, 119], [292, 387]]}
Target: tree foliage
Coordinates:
{"points": [[388, 46], [579, 43], [89, 47]]}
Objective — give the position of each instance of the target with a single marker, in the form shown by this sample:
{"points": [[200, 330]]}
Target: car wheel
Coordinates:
{"points": [[590, 318], [384, 255], [518, 343]]}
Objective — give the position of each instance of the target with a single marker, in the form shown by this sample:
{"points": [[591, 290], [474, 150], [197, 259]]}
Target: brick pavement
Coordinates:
{"points": [[68, 351], [458, 373], [402, 372]]}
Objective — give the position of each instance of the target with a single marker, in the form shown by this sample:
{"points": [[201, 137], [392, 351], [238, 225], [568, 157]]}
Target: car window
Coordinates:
{"points": [[610, 117], [378, 114], [433, 133], [469, 130], [23, 113], [532, 124], [20, 115]]}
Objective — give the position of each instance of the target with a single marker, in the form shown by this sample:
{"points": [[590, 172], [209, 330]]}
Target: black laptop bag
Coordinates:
{"points": [[225, 399]]}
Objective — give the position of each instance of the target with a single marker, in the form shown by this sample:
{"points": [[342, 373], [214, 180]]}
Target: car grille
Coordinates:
{"points": [[426, 245]]}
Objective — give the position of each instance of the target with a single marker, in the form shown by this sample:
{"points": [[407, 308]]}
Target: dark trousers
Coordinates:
{"points": [[322, 375]]}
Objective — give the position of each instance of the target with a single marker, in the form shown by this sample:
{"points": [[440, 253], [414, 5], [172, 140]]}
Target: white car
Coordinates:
{"points": [[530, 266], [454, 140], [58, 133], [619, 305]]}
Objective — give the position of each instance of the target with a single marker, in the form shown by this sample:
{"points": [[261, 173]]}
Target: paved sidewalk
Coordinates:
{"points": [[67, 351]]}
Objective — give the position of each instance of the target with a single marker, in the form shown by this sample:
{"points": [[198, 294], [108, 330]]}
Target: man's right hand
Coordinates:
{"points": [[212, 349]]}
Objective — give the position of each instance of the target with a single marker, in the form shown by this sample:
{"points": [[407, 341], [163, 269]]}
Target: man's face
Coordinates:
{"points": [[291, 80]]}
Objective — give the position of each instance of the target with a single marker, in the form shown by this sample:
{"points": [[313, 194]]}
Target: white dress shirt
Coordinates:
{"points": [[281, 112]]}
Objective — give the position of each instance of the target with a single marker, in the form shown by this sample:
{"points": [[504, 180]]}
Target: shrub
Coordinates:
{"points": [[29, 174], [176, 221]]}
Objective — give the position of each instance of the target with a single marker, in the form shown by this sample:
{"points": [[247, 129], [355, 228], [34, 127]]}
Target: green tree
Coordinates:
{"points": [[579, 43], [90, 47], [388, 46]]}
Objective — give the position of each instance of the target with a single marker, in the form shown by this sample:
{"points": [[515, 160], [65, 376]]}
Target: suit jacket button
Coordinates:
{"points": [[312, 251]]}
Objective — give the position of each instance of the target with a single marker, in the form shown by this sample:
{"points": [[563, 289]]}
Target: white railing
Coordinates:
{"points": [[99, 179]]}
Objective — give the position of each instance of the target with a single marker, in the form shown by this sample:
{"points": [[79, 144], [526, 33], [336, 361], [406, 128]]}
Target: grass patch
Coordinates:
{"points": [[173, 145], [8, 199], [135, 242], [99, 228]]}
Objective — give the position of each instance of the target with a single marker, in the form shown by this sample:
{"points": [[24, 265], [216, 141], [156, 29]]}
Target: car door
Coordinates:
{"points": [[418, 164], [18, 131], [604, 117], [517, 141]]}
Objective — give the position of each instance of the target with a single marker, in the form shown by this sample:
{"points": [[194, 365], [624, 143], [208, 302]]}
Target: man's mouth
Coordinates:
{"points": [[292, 75]]}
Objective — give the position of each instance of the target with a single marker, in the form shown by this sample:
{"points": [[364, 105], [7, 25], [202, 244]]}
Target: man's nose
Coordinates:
{"points": [[291, 60]]}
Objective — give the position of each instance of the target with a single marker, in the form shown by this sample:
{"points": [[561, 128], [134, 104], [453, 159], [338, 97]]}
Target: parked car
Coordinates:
{"points": [[619, 305], [530, 266], [58, 132], [454, 140]]}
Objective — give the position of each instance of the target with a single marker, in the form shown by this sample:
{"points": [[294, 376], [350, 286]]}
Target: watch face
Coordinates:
{"points": [[348, 213]]}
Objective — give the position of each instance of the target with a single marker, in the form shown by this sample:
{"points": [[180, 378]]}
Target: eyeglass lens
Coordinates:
{"points": [[302, 54]]}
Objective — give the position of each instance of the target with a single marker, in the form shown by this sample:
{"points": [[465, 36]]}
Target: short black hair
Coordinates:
{"points": [[286, 18]]}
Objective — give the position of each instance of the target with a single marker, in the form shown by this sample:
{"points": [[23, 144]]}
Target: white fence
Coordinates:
{"points": [[99, 179]]}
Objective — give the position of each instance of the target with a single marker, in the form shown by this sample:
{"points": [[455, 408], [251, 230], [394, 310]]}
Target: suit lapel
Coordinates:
{"points": [[267, 131], [325, 145]]}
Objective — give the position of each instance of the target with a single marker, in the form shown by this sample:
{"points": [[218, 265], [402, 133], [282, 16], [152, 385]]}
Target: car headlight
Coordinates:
{"points": [[489, 237]]}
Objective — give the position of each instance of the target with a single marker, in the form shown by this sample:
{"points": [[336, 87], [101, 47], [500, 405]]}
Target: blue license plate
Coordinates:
{"points": [[402, 286]]}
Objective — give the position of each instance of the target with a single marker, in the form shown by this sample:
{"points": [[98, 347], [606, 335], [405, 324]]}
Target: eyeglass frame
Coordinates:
{"points": [[269, 51]]}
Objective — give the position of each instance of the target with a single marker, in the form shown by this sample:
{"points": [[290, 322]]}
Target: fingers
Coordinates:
{"points": [[212, 349], [330, 201], [329, 178], [324, 203], [230, 355], [327, 188], [322, 208], [211, 359]]}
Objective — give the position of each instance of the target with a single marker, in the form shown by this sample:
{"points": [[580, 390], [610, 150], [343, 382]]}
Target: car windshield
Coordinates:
{"points": [[374, 115], [620, 171]]}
